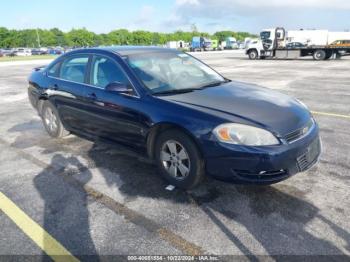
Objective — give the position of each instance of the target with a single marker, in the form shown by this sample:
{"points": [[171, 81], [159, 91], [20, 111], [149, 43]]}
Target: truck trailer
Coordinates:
{"points": [[279, 43]]}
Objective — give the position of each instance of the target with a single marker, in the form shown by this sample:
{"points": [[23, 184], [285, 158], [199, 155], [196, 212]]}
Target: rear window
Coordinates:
{"points": [[54, 70], [74, 69]]}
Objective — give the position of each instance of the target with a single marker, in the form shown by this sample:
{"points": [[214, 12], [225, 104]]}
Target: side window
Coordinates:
{"points": [[74, 68], [106, 71], [54, 70]]}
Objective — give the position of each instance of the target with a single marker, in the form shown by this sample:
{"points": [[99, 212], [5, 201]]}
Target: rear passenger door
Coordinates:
{"points": [[67, 90]]}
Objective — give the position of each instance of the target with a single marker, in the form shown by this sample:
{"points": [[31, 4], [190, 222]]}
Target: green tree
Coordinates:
{"points": [[4, 36], [119, 37], [141, 37], [222, 35], [60, 37], [81, 38]]}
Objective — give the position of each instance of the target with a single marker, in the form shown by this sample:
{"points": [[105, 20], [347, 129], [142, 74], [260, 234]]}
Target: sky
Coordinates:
{"points": [[169, 15]]}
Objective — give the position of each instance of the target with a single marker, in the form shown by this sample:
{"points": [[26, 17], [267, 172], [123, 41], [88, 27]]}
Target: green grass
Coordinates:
{"points": [[26, 58]]}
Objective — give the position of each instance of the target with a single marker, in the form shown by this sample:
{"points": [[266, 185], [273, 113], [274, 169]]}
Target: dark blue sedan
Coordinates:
{"points": [[184, 115]]}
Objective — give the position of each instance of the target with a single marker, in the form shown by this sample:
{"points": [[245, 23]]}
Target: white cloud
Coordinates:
{"points": [[146, 14], [245, 13], [144, 19], [232, 8], [185, 2], [334, 4]]}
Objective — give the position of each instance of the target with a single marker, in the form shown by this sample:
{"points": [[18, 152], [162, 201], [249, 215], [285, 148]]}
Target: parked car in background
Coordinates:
{"points": [[38, 51], [292, 45], [23, 52], [340, 43], [55, 51], [44, 50], [179, 112], [8, 52]]}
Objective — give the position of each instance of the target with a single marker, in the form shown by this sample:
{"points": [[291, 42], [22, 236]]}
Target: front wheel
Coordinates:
{"points": [[253, 54], [178, 159], [52, 121]]}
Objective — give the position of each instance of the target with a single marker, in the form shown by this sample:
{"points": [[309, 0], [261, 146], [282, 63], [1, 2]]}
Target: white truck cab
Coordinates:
{"points": [[270, 39]]}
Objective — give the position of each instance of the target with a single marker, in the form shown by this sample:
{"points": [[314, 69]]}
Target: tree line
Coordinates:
{"points": [[83, 37]]}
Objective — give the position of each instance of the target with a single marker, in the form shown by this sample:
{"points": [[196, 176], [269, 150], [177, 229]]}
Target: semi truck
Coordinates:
{"points": [[231, 43], [200, 43], [278, 43], [215, 44]]}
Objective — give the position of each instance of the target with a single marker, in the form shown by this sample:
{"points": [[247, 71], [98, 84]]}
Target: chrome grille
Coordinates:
{"points": [[297, 134], [307, 159], [303, 164]]}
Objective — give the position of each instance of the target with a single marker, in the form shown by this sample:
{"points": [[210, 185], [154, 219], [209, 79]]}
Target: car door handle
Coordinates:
{"points": [[92, 96], [54, 87]]}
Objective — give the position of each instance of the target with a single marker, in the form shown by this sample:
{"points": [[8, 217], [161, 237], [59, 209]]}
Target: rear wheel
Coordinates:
{"points": [[329, 54], [52, 121], [253, 54], [179, 159], [319, 55]]}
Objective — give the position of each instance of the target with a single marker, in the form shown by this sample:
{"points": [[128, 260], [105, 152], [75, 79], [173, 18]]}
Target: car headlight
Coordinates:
{"points": [[240, 134]]}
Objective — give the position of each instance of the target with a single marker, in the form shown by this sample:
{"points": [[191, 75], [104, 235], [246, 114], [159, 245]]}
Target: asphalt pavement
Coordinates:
{"points": [[99, 200]]}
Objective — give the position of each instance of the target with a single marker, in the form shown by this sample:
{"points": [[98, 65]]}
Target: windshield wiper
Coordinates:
{"points": [[175, 91], [217, 83], [187, 90]]}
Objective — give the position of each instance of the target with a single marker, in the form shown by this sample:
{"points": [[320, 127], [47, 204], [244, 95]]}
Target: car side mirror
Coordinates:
{"points": [[119, 88]]}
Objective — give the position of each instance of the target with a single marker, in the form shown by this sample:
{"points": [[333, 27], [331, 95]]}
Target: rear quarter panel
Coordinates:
{"points": [[37, 84]]}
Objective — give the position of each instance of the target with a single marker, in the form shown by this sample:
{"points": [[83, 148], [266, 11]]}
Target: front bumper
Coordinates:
{"points": [[264, 165]]}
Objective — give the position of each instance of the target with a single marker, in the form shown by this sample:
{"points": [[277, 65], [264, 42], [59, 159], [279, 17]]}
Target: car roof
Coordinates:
{"points": [[130, 50]]}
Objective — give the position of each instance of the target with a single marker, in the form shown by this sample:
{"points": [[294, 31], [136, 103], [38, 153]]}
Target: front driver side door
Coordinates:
{"points": [[111, 115]]}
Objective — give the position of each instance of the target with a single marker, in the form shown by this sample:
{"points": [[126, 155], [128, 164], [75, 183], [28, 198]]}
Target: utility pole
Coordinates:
{"points": [[38, 37]]}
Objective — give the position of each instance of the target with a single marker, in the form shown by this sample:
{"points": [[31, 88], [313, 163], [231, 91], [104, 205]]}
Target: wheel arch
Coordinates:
{"points": [[252, 49], [161, 127], [41, 100]]}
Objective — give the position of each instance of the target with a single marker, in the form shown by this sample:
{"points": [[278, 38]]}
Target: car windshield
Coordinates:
{"points": [[171, 72]]}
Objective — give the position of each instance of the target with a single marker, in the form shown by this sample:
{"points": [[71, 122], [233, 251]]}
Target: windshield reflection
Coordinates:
{"points": [[164, 72]]}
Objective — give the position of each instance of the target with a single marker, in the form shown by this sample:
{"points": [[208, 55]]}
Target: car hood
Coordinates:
{"points": [[264, 107]]}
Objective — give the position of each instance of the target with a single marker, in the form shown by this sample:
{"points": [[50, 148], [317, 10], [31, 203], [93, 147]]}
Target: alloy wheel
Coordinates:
{"points": [[50, 120], [175, 159]]}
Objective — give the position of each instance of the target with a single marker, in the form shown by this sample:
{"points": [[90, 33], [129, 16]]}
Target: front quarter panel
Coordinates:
{"points": [[198, 124]]}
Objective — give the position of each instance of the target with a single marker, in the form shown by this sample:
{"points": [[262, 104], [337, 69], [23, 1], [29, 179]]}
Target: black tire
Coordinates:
{"points": [[329, 54], [337, 56], [196, 163], [319, 55], [59, 131], [253, 54]]}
